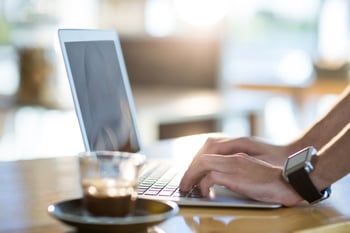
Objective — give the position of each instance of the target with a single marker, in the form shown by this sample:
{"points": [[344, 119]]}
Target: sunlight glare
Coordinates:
{"points": [[295, 67], [202, 12], [280, 121], [160, 20], [333, 30]]}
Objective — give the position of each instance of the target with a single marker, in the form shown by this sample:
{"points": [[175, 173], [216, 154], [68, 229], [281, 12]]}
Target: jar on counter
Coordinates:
{"points": [[34, 43]]}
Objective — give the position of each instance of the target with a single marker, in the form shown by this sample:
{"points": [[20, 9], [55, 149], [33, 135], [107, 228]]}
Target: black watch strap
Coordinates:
{"points": [[302, 183]]}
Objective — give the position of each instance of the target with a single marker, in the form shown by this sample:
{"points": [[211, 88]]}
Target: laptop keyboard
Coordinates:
{"points": [[162, 179]]}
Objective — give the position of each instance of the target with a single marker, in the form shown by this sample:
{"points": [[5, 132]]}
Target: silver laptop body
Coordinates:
{"points": [[106, 113]]}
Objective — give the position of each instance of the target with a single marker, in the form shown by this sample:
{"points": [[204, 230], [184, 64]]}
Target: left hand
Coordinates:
{"points": [[252, 146], [240, 173]]}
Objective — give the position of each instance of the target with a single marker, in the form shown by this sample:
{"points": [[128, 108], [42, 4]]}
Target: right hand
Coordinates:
{"points": [[242, 174]]}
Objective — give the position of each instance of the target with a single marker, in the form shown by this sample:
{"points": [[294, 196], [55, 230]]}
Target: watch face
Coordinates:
{"points": [[297, 161]]}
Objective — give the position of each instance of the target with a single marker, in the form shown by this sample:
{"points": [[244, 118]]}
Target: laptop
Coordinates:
{"points": [[106, 114]]}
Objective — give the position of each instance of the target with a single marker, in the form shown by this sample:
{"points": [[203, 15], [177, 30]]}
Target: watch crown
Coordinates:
{"points": [[308, 167]]}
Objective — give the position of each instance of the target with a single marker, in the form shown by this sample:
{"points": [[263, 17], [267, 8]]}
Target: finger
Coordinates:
{"points": [[232, 181], [239, 145], [227, 146], [195, 171], [214, 178], [211, 146], [207, 163], [256, 180], [230, 176], [218, 145]]}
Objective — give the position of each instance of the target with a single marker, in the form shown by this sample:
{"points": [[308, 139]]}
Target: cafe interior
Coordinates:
{"points": [[265, 68], [197, 68]]}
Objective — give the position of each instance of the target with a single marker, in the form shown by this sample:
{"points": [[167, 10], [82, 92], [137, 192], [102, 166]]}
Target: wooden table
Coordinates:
{"points": [[27, 187]]}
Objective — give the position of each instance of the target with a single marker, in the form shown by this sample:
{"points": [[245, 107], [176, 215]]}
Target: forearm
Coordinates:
{"points": [[327, 127], [333, 160]]}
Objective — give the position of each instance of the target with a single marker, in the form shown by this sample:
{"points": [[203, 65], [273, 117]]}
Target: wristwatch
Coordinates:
{"points": [[296, 172]]}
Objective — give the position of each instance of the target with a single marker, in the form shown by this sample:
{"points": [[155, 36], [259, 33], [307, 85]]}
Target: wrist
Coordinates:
{"points": [[298, 171], [317, 176], [295, 146], [289, 197]]}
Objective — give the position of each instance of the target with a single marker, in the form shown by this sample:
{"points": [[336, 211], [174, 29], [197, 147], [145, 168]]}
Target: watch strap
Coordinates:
{"points": [[303, 185]]}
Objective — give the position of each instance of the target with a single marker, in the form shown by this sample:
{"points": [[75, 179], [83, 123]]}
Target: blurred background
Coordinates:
{"points": [[265, 68]]}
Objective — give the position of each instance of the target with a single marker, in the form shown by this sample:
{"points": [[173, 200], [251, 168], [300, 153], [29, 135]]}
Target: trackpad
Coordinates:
{"points": [[218, 191]]}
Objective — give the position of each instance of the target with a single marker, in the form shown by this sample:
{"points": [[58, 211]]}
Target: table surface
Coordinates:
{"points": [[27, 187]]}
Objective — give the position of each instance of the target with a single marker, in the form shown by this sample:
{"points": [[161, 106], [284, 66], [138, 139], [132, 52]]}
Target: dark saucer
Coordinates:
{"points": [[146, 213]]}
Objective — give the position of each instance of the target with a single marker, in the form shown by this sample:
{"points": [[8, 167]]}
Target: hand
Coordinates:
{"points": [[240, 173], [252, 146]]}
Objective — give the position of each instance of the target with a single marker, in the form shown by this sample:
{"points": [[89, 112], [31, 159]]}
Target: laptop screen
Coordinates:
{"points": [[101, 95]]}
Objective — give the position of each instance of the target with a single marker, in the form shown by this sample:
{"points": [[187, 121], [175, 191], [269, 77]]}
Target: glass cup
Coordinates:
{"points": [[109, 181]]}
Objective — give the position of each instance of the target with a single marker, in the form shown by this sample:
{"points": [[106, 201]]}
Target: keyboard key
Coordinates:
{"points": [[167, 193], [152, 192]]}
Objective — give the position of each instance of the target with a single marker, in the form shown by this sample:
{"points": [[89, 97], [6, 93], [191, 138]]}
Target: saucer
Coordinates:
{"points": [[146, 213]]}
